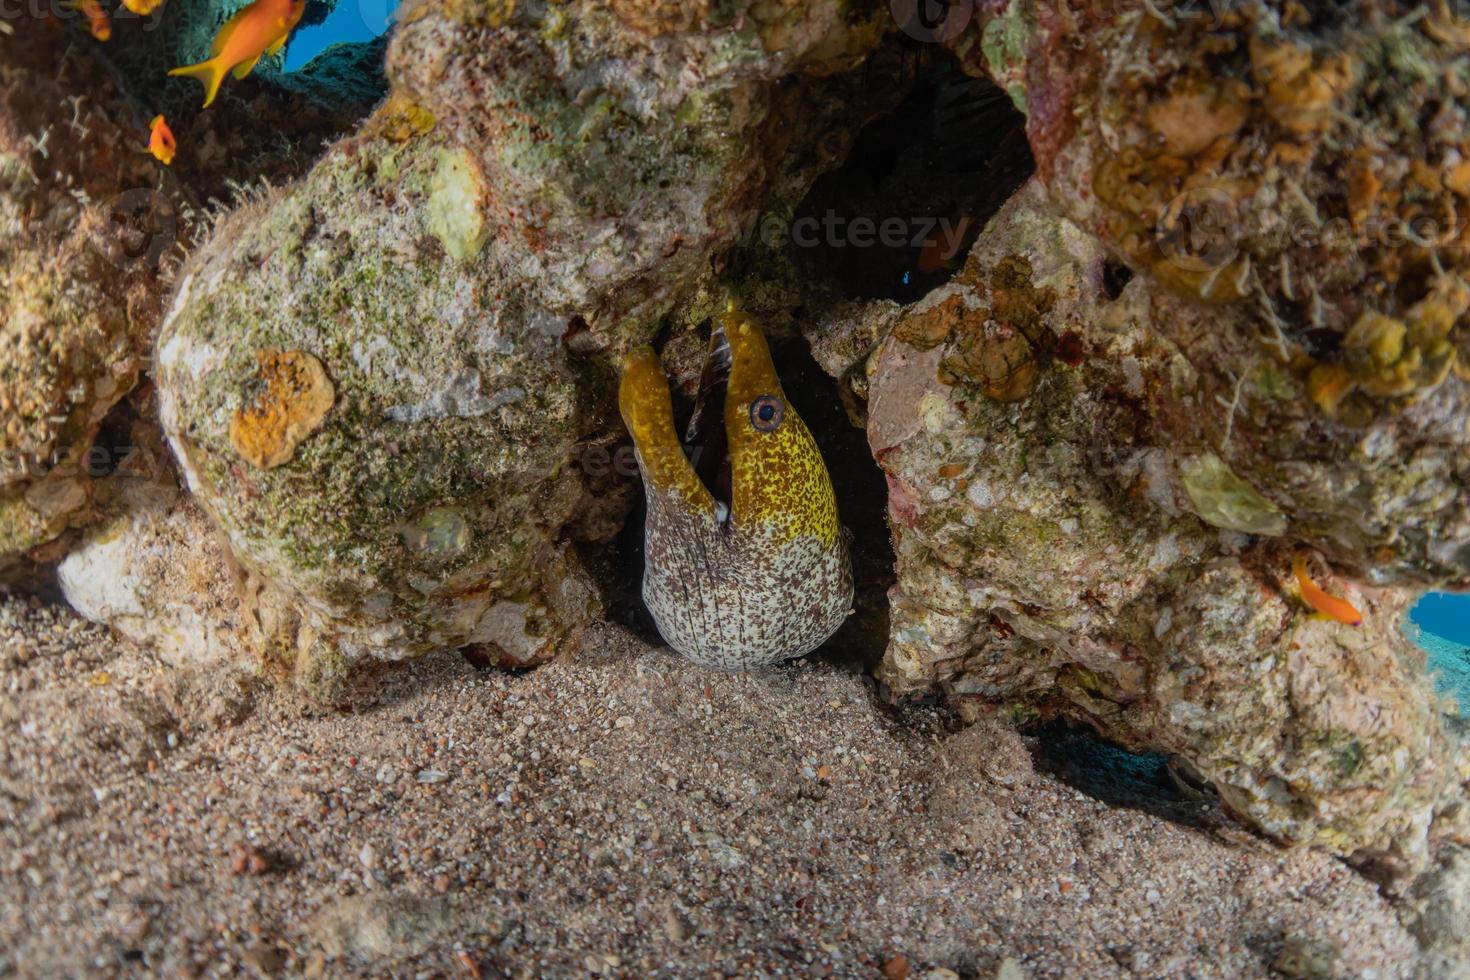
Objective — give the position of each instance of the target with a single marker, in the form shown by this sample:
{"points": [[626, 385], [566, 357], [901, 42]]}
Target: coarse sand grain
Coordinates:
{"points": [[620, 813]]}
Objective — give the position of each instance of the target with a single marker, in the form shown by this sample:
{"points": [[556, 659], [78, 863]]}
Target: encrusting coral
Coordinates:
{"points": [[449, 269], [1302, 171], [88, 235], [1056, 560], [1280, 181]]}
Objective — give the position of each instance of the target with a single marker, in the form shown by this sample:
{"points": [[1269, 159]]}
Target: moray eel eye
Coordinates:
{"points": [[766, 413]]}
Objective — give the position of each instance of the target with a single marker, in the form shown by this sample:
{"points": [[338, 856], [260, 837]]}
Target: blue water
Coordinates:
{"points": [[350, 22], [1440, 623], [1446, 615]]}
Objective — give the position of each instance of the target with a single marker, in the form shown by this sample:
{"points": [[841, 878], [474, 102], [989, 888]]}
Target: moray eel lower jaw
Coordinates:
{"points": [[766, 576]]}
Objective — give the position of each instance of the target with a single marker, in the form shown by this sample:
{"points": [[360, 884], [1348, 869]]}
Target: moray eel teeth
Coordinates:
{"points": [[764, 575]]}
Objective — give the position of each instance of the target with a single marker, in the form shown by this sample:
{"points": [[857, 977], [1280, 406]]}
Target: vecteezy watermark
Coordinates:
{"points": [[932, 21], [833, 230], [1196, 231], [95, 462], [600, 461], [622, 461], [63, 10], [143, 224]]}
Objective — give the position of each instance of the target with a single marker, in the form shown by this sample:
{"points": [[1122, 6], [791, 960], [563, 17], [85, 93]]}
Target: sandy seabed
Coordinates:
{"points": [[623, 813]]}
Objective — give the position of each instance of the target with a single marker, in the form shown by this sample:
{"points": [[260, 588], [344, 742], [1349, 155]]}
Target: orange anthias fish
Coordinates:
{"points": [[1328, 605], [97, 21], [260, 29], [142, 7], [161, 141]]}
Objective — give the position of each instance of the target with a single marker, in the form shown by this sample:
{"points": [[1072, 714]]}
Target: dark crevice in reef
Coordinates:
{"points": [[116, 455], [1115, 276], [897, 218], [862, 499], [1146, 781], [622, 574], [31, 580]]}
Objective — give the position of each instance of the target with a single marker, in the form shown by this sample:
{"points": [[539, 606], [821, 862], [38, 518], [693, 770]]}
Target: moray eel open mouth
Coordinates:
{"points": [[758, 573]]}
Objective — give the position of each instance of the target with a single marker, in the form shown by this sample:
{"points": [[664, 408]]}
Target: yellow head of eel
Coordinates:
{"points": [[759, 578]]}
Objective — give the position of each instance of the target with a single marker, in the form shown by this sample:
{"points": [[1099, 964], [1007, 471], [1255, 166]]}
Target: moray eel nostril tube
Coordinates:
{"points": [[759, 578]]}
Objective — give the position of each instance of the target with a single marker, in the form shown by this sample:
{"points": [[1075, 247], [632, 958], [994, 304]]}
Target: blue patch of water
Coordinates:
{"points": [[1440, 623], [1444, 614], [349, 22]]}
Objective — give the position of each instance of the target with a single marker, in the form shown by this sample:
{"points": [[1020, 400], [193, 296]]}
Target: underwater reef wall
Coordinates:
{"points": [[381, 381], [1223, 326], [86, 238], [1049, 563]]}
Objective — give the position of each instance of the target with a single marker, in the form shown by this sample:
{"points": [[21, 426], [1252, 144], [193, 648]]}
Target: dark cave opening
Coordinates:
{"points": [[1107, 772], [862, 500], [894, 221], [898, 217]]}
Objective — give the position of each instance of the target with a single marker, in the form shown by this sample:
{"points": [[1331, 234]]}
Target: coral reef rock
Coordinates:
{"points": [[156, 570], [85, 235], [1436, 909], [1227, 326], [380, 382], [1295, 178], [1062, 551]]}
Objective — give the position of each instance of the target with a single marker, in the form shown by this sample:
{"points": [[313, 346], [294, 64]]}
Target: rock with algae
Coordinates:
{"points": [[1436, 910], [1062, 553], [1296, 175], [1097, 488], [379, 382], [86, 240]]}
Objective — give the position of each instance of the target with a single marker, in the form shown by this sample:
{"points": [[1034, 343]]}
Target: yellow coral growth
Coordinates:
{"points": [[297, 395], [400, 119], [1300, 89], [1393, 357], [659, 17]]}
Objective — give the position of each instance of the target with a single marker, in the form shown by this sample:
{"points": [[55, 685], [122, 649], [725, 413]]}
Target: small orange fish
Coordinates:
{"points": [[142, 7], [260, 29], [161, 141], [1328, 605], [97, 21]]}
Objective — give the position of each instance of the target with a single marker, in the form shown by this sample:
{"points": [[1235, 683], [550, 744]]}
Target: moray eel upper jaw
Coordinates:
{"points": [[779, 479], [768, 578]]}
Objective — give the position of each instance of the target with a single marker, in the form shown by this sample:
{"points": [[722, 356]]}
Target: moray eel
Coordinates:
{"points": [[762, 575]]}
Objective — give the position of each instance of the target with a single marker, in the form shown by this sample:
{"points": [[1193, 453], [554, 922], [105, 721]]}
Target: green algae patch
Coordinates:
{"points": [[1225, 500], [454, 213], [1004, 44]]}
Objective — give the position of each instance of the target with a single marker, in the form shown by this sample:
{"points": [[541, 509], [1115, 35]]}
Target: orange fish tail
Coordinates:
{"points": [[211, 74]]}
